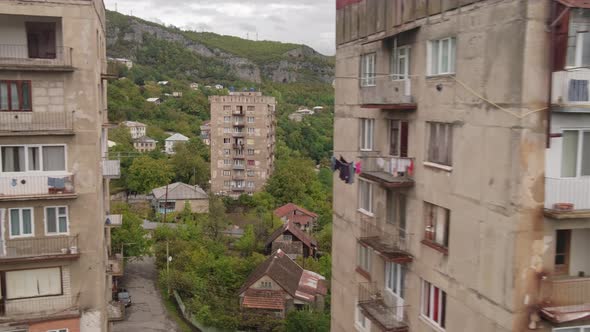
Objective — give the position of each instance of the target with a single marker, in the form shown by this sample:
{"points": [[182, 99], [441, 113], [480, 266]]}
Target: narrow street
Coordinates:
{"points": [[147, 313]]}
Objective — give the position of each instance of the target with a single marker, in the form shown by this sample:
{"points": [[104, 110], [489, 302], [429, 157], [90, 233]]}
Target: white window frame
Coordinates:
{"points": [[250, 119], [227, 161], [367, 134], [227, 184], [227, 130], [364, 257], [20, 217], [26, 152], [227, 119], [579, 40], [442, 227], [250, 184], [426, 309], [361, 322], [451, 56], [226, 173], [228, 140], [397, 73], [266, 284], [251, 131], [447, 149], [55, 269], [369, 186], [368, 68], [57, 216], [580, 328], [579, 154], [399, 271]]}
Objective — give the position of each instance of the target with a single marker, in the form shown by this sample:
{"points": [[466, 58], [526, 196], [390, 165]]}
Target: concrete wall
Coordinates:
{"points": [[197, 205], [495, 187], [82, 91]]}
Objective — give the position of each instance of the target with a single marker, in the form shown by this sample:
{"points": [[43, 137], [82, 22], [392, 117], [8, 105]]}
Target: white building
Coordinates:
{"points": [[194, 86], [137, 129], [163, 82], [128, 63], [218, 86], [173, 140], [154, 100]]}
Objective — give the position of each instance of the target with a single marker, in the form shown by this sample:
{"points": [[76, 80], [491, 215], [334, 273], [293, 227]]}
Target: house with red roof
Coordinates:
{"points": [[291, 240], [304, 219], [279, 285]]}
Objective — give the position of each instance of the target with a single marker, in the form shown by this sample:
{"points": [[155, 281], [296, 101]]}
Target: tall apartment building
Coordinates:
{"points": [[242, 138], [471, 122], [55, 274]]}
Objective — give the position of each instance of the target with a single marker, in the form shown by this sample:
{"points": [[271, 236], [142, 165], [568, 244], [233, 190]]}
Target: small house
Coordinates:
{"points": [[163, 82], [137, 129], [144, 144], [218, 86], [301, 217], [194, 86], [291, 240], [173, 197], [206, 132], [172, 141], [154, 100]]}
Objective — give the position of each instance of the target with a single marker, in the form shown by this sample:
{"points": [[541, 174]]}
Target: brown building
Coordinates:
{"points": [[292, 241], [54, 266], [145, 144], [471, 124], [242, 139], [304, 219]]}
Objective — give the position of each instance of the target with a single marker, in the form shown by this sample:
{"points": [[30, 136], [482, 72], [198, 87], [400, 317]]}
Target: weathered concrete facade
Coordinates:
{"points": [[485, 272], [242, 141], [53, 144]]}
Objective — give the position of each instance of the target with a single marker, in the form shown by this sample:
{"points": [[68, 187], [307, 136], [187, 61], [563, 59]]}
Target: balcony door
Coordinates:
{"points": [[562, 251], [398, 138], [41, 40]]}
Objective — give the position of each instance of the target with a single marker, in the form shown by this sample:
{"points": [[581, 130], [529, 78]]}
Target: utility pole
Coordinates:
{"points": [[168, 258]]}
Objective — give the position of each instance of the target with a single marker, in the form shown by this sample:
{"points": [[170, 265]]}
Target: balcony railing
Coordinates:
{"points": [[571, 88], [15, 187], [381, 309], [36, 123], [238, 112], [392, 245], [238, 134], [575, 191], [389, 94], [42, 248], [239, 167], [111, 169], [114, 220], [115, 265], [239, 123], [38, 307], [565, 299], [390, 172], [18, 57]]}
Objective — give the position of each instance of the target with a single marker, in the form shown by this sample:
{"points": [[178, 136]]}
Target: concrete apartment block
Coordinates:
{"points": [[242, 139], [472, 129], [53, 167]]}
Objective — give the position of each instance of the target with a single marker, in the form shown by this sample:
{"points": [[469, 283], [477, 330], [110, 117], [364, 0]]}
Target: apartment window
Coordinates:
{"points": [[227, 141], [226, 161], [251, 108], [250, 152], [41, 40], [266, 284], [367, 133], [251, 162], [366, 196], [251, 173], [250, 184], [287, 237], [396, 210], [227, 130], [227, 119], [394, 278], [400, 63], [226, 152], [56, 220], [227, 107], [15, 96], [226, 173], [575, 157], [433, 306], [21, 222], [436, 224], [33, 283], [251, 131], [226, 184], [250, 119], [368, 68], [440, 143], [398, 138], [363, 258], [441, 56], [238, 162], [250, 141], [578, 45], [361, 322]]}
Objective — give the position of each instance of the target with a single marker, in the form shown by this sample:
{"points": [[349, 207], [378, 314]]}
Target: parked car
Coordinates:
{"points": [[124, 298]]}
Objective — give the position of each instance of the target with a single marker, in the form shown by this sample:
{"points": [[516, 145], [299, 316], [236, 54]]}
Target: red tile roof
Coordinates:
{"points": [[264, 299], [290, 208], [301, 219], [295, 231]]}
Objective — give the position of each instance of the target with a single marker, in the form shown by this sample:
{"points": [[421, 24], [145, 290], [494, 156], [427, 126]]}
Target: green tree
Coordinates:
{"points": [[217, 220], [189, 166], [147, 173], [130, 237], [247, 244], [308, 321]]}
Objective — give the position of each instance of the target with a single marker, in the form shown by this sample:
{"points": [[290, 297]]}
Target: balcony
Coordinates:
{"points": [[240, 189], [239, 135], [36, 123], [567, 197], [39, 307], [238, 146], [111, 169], [239, 124], [19, 58], [238, 112], [381, 309], [111, 72], [392, 246], [115, 266], [16, 187], [45, 248], [114, 220], [239, 156], [115, 311], [565, 299], [389, 94], [239, 167], [390, 172], [570, 90]]}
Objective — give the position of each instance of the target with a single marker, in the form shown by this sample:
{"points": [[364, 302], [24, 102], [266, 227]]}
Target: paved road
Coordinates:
{"points": [[147, 313]]}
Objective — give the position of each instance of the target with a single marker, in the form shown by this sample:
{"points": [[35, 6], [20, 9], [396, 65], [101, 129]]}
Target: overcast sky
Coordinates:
{"points": [[309, 22]]}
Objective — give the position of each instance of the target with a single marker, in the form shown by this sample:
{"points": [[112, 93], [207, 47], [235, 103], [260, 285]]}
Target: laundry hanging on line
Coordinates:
{"points": [[346, 169]]}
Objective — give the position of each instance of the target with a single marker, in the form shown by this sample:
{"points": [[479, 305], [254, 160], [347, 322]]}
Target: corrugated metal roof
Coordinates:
{"points": [[180, 191]]}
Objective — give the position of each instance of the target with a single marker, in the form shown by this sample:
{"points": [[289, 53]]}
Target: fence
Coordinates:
{"points": [[111, 169], [46, 246], [568, 190], [11, 122], [22, 55], [386, 242], [375, 305]]}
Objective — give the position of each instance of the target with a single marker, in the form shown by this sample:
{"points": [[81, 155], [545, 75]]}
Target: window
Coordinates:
{"points": [[41, 40], [250, 152], [33, 283], [436, 224], [251, 108], [60, 330], [398, 138], [251, 162], [362, 323], [227, 107], [441, 56], [226, 152], [287, 237], [33, 158], [227, 141], [363, 258], [440, 143], [226, 161], [251, 173], [250, 141], [21, 222], [368, 67], [250, 184], [367, 127], [394, 278], [226, 184], [573, 329], [251, 131], [366, 196], [56, 220], [15, 96], [238, 162], [266, 284], [250, 119], [578, 44], [434, 302], [400, 62], [575, 158], [227, 119], [226, 173], [226, 130], [396, 210]]}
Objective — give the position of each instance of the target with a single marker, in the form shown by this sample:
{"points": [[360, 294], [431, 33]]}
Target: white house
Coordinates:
{"points": [[163, 82], [173, 140], [137, 129], [218, 86], [154, 100], [111, 144], [128, 63], [194, 86]]}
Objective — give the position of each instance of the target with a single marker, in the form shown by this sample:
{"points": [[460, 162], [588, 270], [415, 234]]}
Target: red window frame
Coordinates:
{"points": [[19, 84], [251, 163], [434, 304]]}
